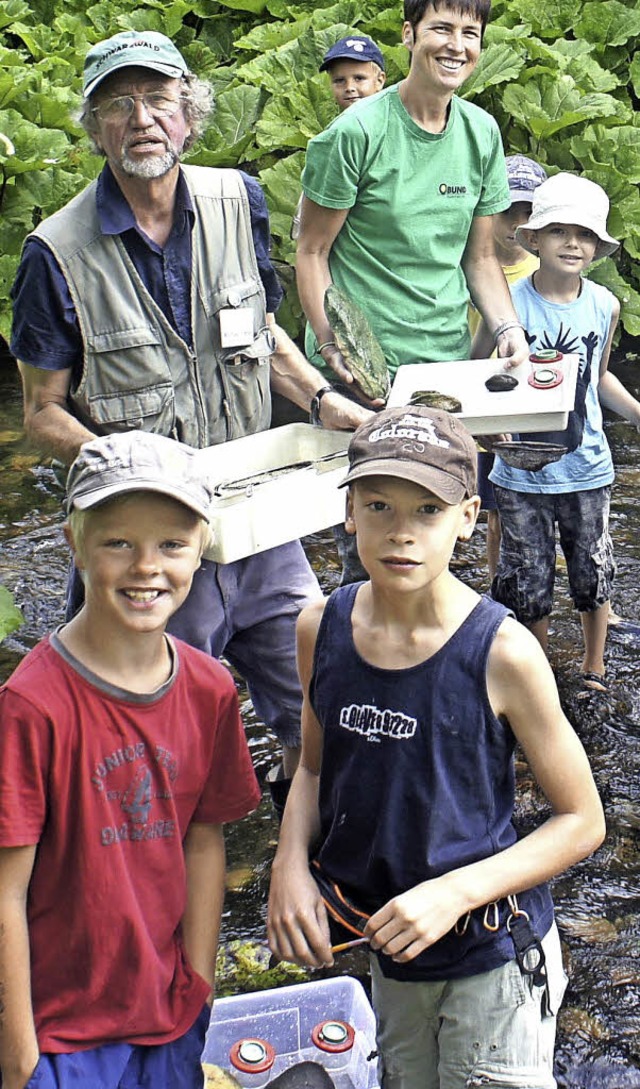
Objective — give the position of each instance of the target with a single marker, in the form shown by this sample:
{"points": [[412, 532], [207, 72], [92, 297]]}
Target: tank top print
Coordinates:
{"points": [[417, 779]]}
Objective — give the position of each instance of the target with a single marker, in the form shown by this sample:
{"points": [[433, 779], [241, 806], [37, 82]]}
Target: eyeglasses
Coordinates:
{"points": [[156, 103]]}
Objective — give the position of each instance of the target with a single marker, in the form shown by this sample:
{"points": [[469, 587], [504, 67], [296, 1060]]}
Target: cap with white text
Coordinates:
{"points": [[135, 461], [424, 445], [132, 49]]}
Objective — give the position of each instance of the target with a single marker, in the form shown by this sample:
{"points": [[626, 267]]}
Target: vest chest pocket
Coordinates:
{"points": [[242, 306], [128, 382], [243, 368], [149, 409]]}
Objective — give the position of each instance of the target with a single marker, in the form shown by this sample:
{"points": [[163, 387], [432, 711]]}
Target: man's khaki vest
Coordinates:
{"points": [[137, 372]]}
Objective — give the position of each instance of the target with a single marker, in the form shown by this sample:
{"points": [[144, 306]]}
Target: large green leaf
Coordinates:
{"points": [[608, 21], [606, 272], [291, 120], [498, 64], [227, 139], [547, 107], [616, 149], [12, 11], [576, 60], [35, 147], [634, 73], [245, 5], [295, 61], [10, 615], [550, 18], [281, 183]]}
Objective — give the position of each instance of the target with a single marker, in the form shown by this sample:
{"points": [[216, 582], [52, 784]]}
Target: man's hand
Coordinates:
{"points": [[338, 413]]}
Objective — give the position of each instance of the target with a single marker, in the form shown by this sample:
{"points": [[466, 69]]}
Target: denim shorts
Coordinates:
{"points": [[525, 575], [492, 1029], [128, 1066]]}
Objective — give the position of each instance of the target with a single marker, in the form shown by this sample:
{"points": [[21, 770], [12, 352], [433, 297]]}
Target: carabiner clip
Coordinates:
{"points": [[461, 924], [491, 918]]}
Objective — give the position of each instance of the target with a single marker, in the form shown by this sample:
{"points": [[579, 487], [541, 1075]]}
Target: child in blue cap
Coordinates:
{"points": [[356, 70]]}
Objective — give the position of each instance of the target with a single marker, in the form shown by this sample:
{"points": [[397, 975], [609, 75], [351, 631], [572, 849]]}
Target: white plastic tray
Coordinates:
{"points": [[524, 408], [251, 517]]}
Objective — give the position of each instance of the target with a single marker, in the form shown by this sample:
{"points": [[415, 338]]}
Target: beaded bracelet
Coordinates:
{"points": [[327, 344], [504, 328]]}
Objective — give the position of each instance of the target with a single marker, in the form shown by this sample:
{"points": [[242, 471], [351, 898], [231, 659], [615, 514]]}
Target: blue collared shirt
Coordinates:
{"points": [[45, 327]]}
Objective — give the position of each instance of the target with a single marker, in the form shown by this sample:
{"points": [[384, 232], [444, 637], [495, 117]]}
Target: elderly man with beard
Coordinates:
{"points": [[148, 302]]}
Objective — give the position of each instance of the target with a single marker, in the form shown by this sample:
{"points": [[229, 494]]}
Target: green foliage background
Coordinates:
{"points": [[562, 77]]}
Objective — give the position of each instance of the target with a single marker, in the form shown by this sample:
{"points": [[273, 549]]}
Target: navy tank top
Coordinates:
{"points": [[417, 780]]}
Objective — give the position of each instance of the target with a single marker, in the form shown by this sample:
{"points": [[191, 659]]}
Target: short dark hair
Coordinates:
{"points": [[414, 9]]}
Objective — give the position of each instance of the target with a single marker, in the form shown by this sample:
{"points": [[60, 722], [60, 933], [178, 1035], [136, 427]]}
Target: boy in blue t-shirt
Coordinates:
{"points": [[416, 691], [562, 310]]}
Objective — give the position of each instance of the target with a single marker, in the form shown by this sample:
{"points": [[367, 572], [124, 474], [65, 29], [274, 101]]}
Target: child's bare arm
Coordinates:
{"points": [[205, 864], [611, 392], [18, 1044], [297, 923], [522, 689]]}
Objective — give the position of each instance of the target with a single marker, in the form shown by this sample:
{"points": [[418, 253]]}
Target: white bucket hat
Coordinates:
{"points": [[566, 198]]}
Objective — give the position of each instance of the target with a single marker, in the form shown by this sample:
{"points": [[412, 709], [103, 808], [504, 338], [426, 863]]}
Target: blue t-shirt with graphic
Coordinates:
{"points": [[582, 328]]}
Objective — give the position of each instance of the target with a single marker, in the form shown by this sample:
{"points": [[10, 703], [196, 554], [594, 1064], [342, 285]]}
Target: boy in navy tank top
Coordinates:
{"points": [[417, 691]]}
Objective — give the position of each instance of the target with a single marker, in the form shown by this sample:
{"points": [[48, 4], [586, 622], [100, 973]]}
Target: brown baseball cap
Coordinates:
{"points": [[424, 445], [138, 461]]}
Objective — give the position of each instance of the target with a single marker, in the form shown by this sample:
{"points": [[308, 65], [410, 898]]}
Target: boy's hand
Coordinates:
{"points": [[411, 922], [488, 442], [297, 925]]}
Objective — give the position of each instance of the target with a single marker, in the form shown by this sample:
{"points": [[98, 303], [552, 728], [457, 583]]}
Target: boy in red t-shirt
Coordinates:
{"points": [[122, 755]]}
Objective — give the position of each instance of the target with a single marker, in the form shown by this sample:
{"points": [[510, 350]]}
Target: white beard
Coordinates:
{"points": [[156, 166]]}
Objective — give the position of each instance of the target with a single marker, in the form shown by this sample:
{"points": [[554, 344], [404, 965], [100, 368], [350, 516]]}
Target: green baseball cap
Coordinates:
{"points": [[132, 48]]}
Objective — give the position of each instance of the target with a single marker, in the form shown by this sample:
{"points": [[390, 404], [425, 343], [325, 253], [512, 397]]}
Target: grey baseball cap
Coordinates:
{"points": [[134, 461], [524, 176], [132, 49]]}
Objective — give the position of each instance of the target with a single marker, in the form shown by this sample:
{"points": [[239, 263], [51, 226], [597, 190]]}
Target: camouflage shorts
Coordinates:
{"points": [[525, 576]]}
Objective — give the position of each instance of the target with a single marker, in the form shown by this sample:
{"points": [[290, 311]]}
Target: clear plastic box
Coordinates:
{"points": [[285, 1018]]}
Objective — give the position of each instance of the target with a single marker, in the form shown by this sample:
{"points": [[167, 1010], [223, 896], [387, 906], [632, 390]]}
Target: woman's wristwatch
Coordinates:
{"points": [[314, 414]]}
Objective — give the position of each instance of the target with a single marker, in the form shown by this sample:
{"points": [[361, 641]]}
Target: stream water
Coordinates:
{"points": [[598, 901]]}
